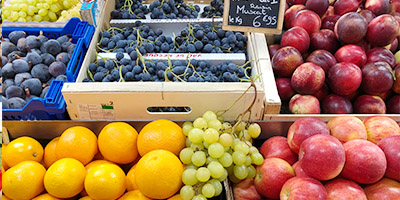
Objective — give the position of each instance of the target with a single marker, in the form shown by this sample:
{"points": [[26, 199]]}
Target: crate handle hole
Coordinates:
{"points": [[169, 110]]}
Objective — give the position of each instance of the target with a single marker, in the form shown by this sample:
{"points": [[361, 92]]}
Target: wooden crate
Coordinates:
{"points": [[130, 100]]}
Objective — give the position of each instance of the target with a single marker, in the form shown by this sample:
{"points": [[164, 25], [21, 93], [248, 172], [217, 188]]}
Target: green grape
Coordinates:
{"points": [[37, 18], [235, 141], [211, 135], [14, 16], [251, 171], [241, 146], [22, 14], [199, 197], [254, 130], [6, 13], [188, 142], [215, 124], [199, 158], [189, 177], [203, 174], [39, 6], [46, 18], [233, 179], [227, 127], [196, 135], [52, 15], [217, 185], [15, 7], [241, 127], [46, 6], [32, 2], [205, 144], [43, 12], [191, 166], [240, 171], [54, 8], [187, 192], [220, 118], [209, 115], [224, 176], [30, 11], [208, 190], [226, 160], [238, 157], [245, 135], [49, 2], [186, 155], [209, 160], [257, 158], [227, 149], [66, 4], [23, 7], [253, 150], [200, 123], [225, 139], [216, 169], [21, 19], [216, 150], [248, 161], [197, 147], [186, 127]]}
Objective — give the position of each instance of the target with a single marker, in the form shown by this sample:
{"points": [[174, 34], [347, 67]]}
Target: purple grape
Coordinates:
{"points": [[16, 35], [16, 103], [4, 101], [61, 78], [15, 91], [33, 58], [63, 39], [41, 72], [7, 83], [20, 66], [52, 47], [57, 68], [21, 77], [33, 85], [63, 57], [8, 71], [47, 58], [44, 92], [4, 60], [65, 46], [15, 55], [21, 44], [8, 47], [33, 42]]}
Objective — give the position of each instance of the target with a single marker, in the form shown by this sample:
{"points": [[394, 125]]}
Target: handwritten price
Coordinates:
{"points": [[268, 20]]}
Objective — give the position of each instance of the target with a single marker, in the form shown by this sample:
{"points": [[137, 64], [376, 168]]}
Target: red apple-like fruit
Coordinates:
{"points": [[396, 84], [393, 105], [346, 128], [291, 13], [304, 104], [308, 20], [303, 188], [392, 47], [381, 54], [324, 39], [343, 189], [365, 162], [379, 127], [368, 104], [384, 96], [351, 53], [391, 148], [368, 15], [352, 97], [378, 7], [322, 93], [351, 28], [308, 78], [272, 49], [296, 37], [295, 2], [323, 59], [383, 25], [385, 189], [344, 78], [304, 128], [345, 6], [318, 6], [271, 176], [298, 170], [285, 61], [329, 12], [245, 190], [364, 45], [335, 104], [277, 147], [314, 152], [394, 6], [377, 78], [329, 22], [285, 89]]}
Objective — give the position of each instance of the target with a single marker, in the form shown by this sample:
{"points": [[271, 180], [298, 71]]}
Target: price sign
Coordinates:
{"points": [[265, 16]]}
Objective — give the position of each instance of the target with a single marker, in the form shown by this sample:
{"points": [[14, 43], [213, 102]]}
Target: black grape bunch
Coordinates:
{"points": [[215, 9], [129, 9], [173, 9]]}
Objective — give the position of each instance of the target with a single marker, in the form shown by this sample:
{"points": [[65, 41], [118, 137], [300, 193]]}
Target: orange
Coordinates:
{"points": [[22, 149], [130, 179], [77, 142], [50, 152], [135, 194], [3, 197], [86, 198], [64, 178], [45, 197], [175, 197], [158, 174], [117, 142], [161, 134], [105, 181], [24, 180], [90, 166], [4, 164]]}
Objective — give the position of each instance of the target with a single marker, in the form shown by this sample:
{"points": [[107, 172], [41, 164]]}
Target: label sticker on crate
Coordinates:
{"points": [[96, 111]]}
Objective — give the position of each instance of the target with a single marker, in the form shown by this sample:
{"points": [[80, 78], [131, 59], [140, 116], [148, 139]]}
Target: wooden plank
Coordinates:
{"points": [[325, 117], [5, 136], [261, 47], [272, 100]]}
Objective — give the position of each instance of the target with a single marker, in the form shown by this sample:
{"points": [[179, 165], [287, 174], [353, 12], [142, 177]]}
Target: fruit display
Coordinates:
{"points": [[29, 65], [171, 9], [40, 10], [129, 9], [333, 55], [215, 9], [345, 158], [121, 162]]}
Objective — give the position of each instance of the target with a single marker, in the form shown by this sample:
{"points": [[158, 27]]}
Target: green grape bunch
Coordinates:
{"points": [[216, 150]]}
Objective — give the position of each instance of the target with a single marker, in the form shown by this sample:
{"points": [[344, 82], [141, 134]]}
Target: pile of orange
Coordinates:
{"points": [[80, 165]]}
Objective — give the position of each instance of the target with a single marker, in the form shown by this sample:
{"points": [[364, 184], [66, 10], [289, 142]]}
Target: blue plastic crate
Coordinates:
{"points": [[53, 106]]}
